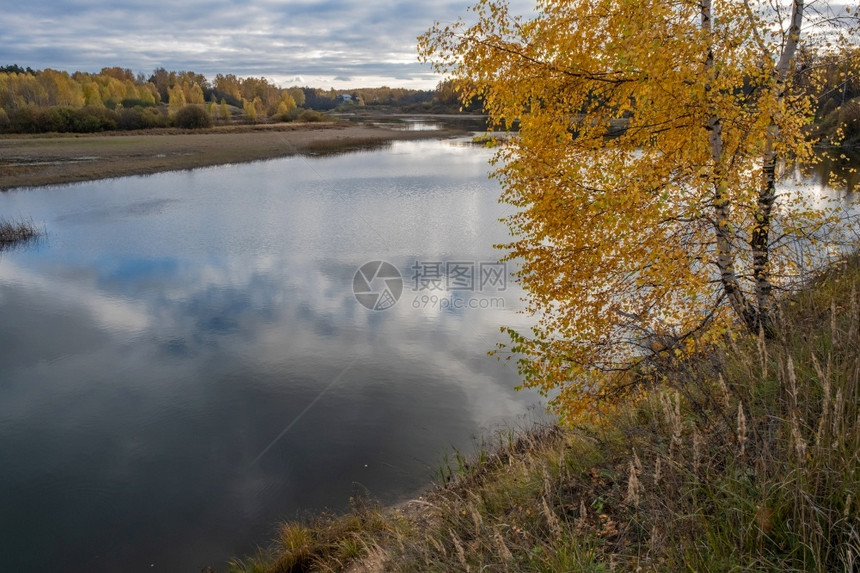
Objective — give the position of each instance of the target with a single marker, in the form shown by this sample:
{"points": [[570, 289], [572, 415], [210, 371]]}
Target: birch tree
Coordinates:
{"points": [[643, 175]]}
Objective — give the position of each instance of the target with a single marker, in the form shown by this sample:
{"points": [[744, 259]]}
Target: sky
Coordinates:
{"points": [[322, 43]]}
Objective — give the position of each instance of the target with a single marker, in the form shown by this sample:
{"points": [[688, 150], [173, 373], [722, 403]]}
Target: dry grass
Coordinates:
{"points": [[28, 161], [17, 232], [326, 543], [743, 459], [748, 460]]}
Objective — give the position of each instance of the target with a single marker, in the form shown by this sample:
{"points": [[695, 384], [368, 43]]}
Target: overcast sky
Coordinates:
{"points": [[322, 43]]}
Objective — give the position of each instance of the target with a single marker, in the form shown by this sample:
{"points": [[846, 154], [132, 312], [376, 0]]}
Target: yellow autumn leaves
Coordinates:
{"points": [[645, 223]]}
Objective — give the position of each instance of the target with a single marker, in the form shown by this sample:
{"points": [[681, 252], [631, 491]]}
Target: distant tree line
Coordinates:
{"points": [[13, 69], [324, 100], [41, 101]]}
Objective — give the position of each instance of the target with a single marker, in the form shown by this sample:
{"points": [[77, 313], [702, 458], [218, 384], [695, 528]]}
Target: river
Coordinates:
{"points": [[184, 360]]}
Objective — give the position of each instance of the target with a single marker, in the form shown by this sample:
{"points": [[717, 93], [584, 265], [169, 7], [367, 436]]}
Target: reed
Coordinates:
{"points": [[18, 231]]}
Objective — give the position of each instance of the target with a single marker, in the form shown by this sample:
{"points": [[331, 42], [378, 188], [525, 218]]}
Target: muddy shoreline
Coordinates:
{"points": [[40, 160]]}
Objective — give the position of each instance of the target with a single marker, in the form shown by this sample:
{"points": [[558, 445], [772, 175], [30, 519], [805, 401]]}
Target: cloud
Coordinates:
{"points": [[366, 42]]}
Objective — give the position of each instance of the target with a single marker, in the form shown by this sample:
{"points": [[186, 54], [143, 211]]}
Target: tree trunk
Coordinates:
{"points": [[760, 236], [722, 207]]}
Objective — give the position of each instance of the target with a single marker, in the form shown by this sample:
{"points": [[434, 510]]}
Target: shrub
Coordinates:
{"points": [[192, 117], [135, 102], [287, 116], [32, 119], [90, 119], [311, 116], [140, 118]]}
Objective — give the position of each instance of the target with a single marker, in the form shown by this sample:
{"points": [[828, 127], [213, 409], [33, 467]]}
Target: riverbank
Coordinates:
{"points": [[34, 161], [745, 458]]}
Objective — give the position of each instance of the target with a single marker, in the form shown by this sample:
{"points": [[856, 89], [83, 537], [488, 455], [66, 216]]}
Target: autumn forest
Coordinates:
{"points": [[41, 101]]}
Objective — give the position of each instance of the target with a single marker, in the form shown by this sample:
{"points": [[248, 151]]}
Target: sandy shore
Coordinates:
{"points": [[32, 161]]}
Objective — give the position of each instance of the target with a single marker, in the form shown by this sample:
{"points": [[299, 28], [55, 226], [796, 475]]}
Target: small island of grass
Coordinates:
{"points": [[16, 232]]}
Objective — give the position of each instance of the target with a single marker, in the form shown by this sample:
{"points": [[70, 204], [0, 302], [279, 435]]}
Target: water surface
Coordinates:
{"points": [[183, 362]]}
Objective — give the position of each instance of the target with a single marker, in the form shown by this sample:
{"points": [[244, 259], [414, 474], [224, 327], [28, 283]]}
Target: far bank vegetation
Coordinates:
{"points": [[52, 101]]}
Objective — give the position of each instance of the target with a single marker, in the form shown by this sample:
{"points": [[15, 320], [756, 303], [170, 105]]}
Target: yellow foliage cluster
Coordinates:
{"points": [[54, 88], [264, 96]]}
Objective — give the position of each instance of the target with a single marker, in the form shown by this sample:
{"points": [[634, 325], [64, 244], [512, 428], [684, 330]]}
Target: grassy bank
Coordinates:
{"points": [[745, 458], [37, 160]]}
